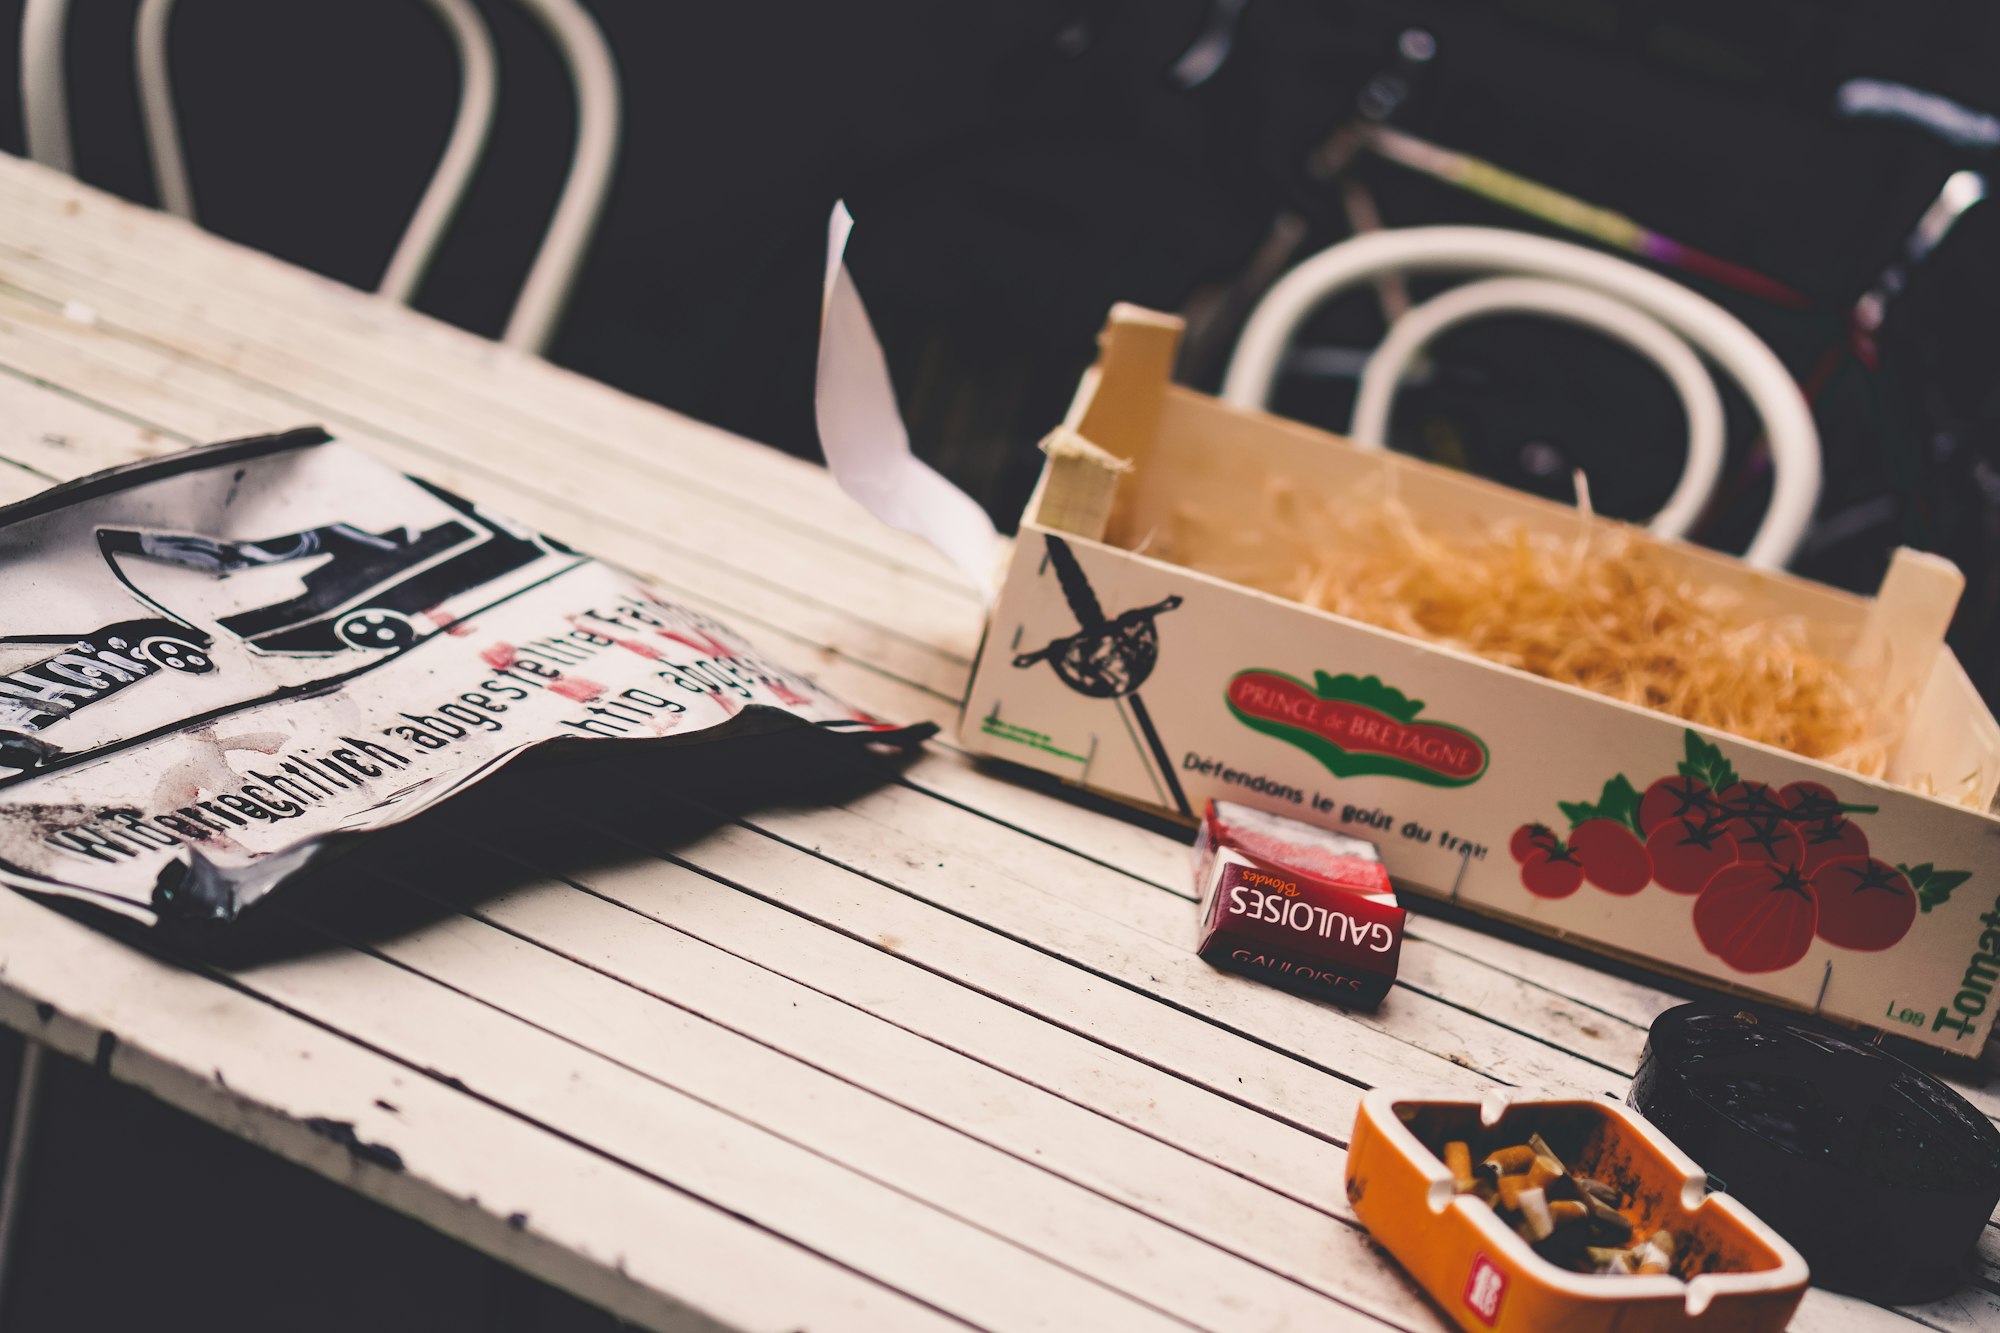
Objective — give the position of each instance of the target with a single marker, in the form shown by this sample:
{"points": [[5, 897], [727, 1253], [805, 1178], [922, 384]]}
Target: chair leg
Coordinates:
{"points": [[14, 1181]]}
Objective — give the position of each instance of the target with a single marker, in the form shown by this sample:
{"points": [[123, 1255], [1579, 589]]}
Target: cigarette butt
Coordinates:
{"points": [[1540, 1147], [1458, 1157], [1510, 1189], [1510, 1160], [1541, 1174], [1535, 1214], [1567, 1210], [1596, 1189], [1657, 1254], [1615, 1224], [1612, 1261]]}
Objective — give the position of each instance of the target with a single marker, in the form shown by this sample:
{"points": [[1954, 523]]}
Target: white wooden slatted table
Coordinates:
{"points": [[937, 1055]]}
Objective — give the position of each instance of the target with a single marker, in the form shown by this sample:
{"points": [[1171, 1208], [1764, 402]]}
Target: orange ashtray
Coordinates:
{"points": [[1741, 1276]]}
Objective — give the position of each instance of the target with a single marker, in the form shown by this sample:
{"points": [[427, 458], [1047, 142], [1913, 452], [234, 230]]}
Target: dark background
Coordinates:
{"points": [[139, 1217], [1015, 168]]}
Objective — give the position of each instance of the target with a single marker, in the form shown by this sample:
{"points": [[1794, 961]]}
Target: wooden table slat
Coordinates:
{"points": [[201, 402], [91, 437], [131, 262], [606, 1233], [1076, 1188], [653, 1127]]}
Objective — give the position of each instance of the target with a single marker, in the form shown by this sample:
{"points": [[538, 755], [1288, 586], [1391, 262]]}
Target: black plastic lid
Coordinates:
{"points": [[1880, 1175]]}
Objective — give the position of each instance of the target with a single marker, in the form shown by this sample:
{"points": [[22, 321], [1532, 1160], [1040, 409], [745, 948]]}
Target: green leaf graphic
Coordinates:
{"points": [[1618, 801], [1577, 811], [1933, 886], [1706, 764], [1370, 692]]}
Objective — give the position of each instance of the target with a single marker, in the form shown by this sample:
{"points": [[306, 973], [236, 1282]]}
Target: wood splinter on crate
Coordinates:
{"points": [[1082, 485], [1900, 644]]}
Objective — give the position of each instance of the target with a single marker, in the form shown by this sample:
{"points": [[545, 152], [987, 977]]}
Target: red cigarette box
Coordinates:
{"points": [[1296, 905]]}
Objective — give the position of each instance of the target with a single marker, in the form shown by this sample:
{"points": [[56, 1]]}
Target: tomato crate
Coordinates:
{"points": [[1875, 901]]}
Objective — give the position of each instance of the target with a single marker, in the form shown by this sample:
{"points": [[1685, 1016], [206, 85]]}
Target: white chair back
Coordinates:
{"points": [[593, 74], [1620, 298]]}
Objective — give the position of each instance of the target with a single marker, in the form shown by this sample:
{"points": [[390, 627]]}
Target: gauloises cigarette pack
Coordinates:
{"points": [[1875, 901], [1295, 905]]}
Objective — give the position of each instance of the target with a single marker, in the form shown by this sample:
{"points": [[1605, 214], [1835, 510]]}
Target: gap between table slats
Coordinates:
{"points": [[265, 1075], [874, 1064]]}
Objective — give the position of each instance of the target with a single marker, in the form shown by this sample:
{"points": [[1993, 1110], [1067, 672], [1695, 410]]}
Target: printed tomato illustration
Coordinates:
{"points": [[1613, 857], [1756, 916], [1674, 798], [1770, 868], [1686, 854], [1750, 803], [1864, 903], [1831, 840], [1555, 873], [1530, 838], [1808, 802], [1766, 839]]}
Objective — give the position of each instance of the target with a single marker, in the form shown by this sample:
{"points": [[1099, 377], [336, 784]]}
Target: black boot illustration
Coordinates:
{"points": [[1108, 658]]}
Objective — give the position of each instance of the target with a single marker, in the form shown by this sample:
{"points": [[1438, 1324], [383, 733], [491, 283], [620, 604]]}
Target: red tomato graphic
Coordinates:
{"points": [[1613, 858], [1555, 873], [1745, 803], [1687, 854], [1831, 840], [1530, 838], [1674, 798], [1809, 802], [1766, 839], [1756, 916], [1863, 903]]}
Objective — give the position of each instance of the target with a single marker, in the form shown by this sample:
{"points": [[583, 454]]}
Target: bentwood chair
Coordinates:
{"points": [[1657, 317], [593, 73]]}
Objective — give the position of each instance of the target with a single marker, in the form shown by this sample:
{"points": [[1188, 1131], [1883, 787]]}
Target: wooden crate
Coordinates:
{"points": [[1160, 685]]}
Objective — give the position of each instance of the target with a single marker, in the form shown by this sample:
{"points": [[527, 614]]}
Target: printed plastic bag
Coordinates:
{"points": [[215, 665]]}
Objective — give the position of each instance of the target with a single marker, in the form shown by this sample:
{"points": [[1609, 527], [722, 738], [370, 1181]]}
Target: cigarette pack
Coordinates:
{"points": [[1296, 905], [1866, 899]]}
